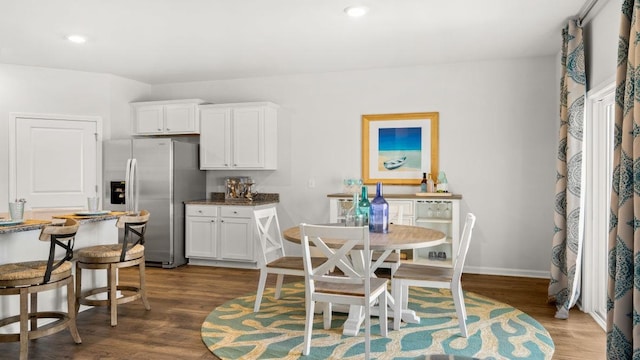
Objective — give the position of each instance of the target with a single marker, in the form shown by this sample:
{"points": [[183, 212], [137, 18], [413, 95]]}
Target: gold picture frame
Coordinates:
{"points": [[398, 148]]}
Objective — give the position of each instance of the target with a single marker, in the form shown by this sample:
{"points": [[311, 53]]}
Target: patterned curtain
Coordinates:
{"points": [[566, 257], [623, 295]]}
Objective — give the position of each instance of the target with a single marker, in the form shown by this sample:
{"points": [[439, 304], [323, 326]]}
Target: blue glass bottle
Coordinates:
{"points": [[379, 213]]}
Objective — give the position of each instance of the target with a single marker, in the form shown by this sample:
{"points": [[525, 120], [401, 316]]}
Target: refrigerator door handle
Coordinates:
{"points": [[127, 187], [135, 189]]}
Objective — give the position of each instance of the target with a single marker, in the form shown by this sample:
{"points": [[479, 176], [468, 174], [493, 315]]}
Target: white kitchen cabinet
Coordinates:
{"points": [[166, 117], [201, 231], [221, 235], [240, 136], [236, 234], [436, 212]]}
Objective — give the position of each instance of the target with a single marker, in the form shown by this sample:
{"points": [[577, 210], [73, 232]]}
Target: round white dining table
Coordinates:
{"points": [[399, 237]]}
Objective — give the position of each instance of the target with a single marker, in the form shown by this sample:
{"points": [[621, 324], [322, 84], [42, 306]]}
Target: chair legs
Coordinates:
{"points": [[143, 286], [461, 312], [308, 325], [310, 307], [396, 291], [24, 327], [29, 315], [261, 284], [112, 279], [71, 309], [279, 281], [112, 288], [382, 305], [400, 293]]}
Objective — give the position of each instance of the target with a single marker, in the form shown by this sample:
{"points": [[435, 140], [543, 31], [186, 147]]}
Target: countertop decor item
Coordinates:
{"points": [[238, 188], [398, 148]]}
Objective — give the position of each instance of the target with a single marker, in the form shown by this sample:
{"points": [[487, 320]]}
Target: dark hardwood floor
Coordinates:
{"points": [[181, 298]]}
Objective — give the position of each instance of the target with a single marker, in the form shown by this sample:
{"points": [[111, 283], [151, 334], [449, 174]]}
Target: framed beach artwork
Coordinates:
{"points": [[398, 148]]}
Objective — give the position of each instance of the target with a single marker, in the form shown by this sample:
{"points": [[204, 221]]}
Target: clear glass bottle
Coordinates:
{"points": [[364, 206], [431, 186], [379, 213], [350, 218], [423, 184]]}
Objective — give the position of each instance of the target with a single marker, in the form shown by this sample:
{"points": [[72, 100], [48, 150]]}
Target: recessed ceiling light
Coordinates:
{"points": [[78, 39], [356, 11]]}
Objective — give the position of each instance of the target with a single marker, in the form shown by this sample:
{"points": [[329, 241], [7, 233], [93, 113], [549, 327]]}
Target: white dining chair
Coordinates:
{"points": [[272, 258], [349, 286], [434, 277]]}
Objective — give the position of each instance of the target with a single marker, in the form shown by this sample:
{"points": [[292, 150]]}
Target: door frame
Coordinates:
{"points": [[13, 153], [596, 223]]}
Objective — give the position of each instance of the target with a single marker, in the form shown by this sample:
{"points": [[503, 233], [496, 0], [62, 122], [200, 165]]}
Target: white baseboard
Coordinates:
{"points": [[506, 272]]}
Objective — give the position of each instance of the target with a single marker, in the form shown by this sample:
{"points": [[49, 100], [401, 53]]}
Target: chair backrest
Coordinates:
{"points": [[66, 230], [56, 234], [343, 239], [134, 225], [465, 240], [269, 235]]}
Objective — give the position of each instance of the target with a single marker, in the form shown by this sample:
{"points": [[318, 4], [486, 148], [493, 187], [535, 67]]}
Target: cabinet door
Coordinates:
{"points": [[248, 137], [236, 239], [201, 237], [181, 118], [149, 119], [215, 138], [401, 212]]}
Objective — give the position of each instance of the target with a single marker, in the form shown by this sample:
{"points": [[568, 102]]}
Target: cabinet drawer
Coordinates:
{"points": [[202, 210], [236, 211]]}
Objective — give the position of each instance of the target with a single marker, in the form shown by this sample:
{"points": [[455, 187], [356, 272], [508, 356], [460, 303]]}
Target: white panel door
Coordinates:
{"points": [[56, 162]]}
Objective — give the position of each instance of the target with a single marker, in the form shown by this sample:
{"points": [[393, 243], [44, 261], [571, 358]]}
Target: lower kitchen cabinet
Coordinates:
{"points": [[221, 235]]}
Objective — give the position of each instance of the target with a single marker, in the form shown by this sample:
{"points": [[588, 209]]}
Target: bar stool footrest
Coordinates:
{"points": [[51, 328]]}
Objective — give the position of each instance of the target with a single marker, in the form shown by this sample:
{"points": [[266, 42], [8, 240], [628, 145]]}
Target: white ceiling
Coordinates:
{"points": [[165, 41]]}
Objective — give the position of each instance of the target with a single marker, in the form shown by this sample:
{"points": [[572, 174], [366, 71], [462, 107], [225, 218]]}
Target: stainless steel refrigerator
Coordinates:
{"points": [[166, 173]]}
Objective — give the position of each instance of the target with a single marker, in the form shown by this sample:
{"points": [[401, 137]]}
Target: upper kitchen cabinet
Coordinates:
{"points": [[240, 136], [166, 117]]}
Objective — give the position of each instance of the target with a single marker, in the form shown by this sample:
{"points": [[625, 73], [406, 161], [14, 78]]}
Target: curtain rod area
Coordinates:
{"points": [[586, 13]]}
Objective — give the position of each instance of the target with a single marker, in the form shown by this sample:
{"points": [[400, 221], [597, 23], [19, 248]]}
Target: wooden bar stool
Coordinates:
{"points": [[111, 258], [27, 279]]}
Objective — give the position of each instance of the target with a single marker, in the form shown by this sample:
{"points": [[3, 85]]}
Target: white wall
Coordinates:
{"points": [[498, 133], [601, 44], [49, 91]]}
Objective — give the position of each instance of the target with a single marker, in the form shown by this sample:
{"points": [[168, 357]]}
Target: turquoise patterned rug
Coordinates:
{"points": [[496, 330]]}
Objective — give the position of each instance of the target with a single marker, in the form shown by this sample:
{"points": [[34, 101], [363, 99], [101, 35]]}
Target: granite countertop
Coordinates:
{"points": [[37, 224], [218, 199], [27, 225], [82, 219]]}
